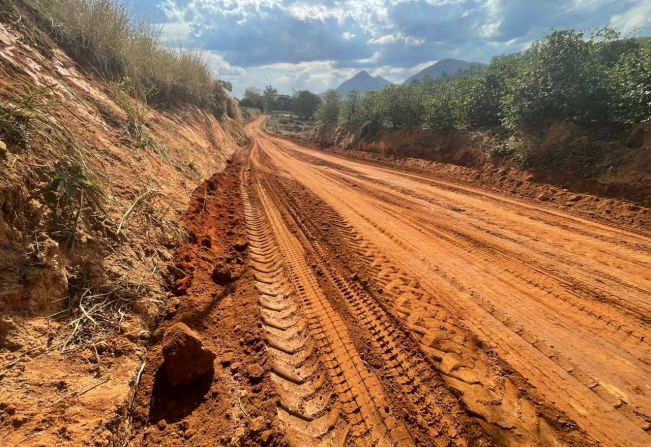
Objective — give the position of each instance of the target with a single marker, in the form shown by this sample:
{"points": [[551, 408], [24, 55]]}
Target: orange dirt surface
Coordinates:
{"points": [[400, 309], [235, 403], [354, 304]]}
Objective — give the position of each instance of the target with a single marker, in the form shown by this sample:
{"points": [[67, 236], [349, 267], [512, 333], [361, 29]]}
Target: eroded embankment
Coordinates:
{"points": [[520, 184], [92, 188]]}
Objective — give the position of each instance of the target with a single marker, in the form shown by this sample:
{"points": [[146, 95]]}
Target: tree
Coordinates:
{"points": [[558, 81], [328, 111], [268, 98], [283, 103], [632, 86], [351, 108], [252, 98], [305, 103]]}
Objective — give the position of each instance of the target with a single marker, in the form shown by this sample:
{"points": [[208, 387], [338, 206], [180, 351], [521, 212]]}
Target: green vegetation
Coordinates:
{"points": [[302, 103], [287, 124], [597, 81], [99, 35]]}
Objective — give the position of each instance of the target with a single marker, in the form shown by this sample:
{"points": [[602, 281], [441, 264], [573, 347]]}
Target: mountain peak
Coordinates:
{"points": [[362, 82], [448, 66]]}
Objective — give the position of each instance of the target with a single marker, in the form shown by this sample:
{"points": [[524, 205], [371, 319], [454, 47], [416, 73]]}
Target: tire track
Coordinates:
{"points": [[404, 369], [308, 409], [496, 401], [587, 317], [358, 391]]}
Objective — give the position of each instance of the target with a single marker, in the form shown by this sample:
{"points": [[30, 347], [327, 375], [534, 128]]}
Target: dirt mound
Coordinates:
{"points": [[186, 359], [236, 404]]}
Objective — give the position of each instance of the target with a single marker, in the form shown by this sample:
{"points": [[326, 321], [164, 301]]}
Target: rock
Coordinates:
{"points": [[162, 424], [189, 433], [266, 436], [254, 373], [186, 359], [3, 150], [257, 424], [221, 273], [227, 358], [182, 285], [241, 244]]}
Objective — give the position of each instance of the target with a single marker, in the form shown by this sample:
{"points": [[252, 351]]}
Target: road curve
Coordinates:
{"points": [[444, 314]]}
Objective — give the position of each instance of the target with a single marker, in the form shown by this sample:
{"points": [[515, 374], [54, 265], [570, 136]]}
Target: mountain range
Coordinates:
{"points": [[364, 82]]}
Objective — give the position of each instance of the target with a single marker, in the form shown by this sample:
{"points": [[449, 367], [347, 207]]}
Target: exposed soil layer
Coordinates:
{"points": [[82, 273], [431, 312]]}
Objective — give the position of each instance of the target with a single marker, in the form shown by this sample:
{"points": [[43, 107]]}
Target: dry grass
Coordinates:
{"points": [[100, 36]]}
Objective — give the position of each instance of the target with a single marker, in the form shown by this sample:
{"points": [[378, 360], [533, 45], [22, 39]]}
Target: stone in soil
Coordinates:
{"points": [[240, 245], [221, 273], [254, 373], [186, 359]]}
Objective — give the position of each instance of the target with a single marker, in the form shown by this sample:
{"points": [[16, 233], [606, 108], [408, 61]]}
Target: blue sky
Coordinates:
{"points": [[317, 44]]}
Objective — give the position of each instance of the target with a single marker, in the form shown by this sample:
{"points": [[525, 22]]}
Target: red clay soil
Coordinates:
{"points": [[235, 403], [523, 184]]}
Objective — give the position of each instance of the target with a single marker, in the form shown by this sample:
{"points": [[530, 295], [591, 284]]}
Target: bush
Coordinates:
{"points": [[99, 35], [305, 104], [632, 85], [328, 110], [558, 80]]}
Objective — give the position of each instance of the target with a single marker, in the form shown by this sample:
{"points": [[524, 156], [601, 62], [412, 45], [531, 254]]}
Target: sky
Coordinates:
{"points": [[315, 45]]}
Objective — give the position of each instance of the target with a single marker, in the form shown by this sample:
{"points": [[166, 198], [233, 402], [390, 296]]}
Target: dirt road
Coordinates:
{"points": [[404, 310]]}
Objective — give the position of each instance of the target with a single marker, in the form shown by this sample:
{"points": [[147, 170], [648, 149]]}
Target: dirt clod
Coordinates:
{"points": [[221, 273], [254, 373], [241, 244], [186, 359], [257, 424], [227, 359]]}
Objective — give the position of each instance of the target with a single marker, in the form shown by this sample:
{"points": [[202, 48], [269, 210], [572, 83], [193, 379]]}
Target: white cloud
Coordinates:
{"points": [[329, 40], [174, 32], [634, 20]]}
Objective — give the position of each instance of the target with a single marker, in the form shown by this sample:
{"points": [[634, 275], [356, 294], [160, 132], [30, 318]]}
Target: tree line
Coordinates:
{"points": [[597, 79], [303, 103]]}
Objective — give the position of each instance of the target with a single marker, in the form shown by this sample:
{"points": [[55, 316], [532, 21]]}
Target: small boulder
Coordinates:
{"points": [[186, 359], [221, 273]]}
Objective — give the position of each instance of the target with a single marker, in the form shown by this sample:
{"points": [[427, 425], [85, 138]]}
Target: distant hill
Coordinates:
{"points": [[363, 83], [449, 66]]}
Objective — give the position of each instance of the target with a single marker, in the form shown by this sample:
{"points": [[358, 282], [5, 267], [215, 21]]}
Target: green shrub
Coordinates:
{"points": [[558, 80], [328, 110], [632, 85]]}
